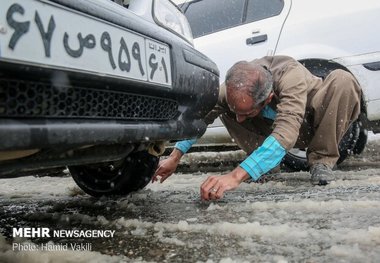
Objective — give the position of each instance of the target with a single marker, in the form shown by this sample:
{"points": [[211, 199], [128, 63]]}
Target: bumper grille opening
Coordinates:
{"points": [[28, 99]]}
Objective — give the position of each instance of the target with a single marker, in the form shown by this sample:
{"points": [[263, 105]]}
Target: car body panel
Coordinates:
{"points": [[343, 33], [238, 37]]}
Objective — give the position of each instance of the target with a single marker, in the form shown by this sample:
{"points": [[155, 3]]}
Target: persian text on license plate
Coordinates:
{"points": [[45, 34]]}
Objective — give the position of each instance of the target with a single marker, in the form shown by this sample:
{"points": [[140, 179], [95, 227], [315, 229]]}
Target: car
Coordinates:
{"points": [[98, 86], [323, 35]]}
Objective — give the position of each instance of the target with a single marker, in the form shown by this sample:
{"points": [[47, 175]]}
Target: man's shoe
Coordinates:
{"points": [[321, 174]]}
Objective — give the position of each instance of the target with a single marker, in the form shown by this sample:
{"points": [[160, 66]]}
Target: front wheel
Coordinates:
{"points": [[117, 178]]}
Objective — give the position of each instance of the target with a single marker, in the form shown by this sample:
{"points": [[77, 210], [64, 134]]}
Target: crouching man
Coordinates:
{"points": [[271, 105]]}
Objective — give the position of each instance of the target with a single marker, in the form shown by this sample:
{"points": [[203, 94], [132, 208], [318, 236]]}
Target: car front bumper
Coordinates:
{"points": [[42, 106]]}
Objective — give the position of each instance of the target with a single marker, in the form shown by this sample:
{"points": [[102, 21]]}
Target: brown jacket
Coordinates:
{"points": [[294, 86]]}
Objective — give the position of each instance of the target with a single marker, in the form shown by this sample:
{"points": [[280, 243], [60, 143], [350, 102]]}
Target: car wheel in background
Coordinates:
{"points": [[353, 142], [119, 178], [362, 139], [295, 159]]}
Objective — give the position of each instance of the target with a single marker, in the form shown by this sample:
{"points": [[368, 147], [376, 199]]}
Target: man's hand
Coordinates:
{"points": [[167, 167], [215, 186]]}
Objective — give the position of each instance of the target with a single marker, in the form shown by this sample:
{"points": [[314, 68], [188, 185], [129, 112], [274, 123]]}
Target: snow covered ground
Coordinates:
{"points": [[282, 220]]}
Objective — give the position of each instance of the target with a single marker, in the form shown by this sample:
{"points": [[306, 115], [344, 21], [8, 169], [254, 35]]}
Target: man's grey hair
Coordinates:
{"points": [[251, 78]]}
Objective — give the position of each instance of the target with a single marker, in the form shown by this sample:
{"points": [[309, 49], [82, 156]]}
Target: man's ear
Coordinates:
{"points": [[269, 99]]}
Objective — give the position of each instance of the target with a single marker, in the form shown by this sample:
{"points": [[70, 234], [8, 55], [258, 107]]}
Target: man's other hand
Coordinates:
{"points": [[167, 167]]}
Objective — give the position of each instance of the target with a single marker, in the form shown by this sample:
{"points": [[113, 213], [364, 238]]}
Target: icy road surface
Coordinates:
{"points": [[282, 220]]}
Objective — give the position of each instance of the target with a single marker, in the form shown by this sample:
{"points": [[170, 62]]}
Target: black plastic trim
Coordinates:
{"points": [[200, 60], [49, 160], [373, 66]]}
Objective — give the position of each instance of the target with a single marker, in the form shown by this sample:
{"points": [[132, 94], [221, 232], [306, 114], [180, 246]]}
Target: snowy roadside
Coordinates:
{"points": [[282, 220]]}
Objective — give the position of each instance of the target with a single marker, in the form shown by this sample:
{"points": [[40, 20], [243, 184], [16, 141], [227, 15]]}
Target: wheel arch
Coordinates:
{"points": [[322, 67]]}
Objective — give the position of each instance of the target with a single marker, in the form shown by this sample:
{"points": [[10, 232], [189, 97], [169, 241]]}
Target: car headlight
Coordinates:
{"points": [[169, 16]]}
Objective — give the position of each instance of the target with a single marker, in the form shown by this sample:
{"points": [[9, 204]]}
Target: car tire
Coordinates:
{"points": [[120, 178], [298, 162], [362, 140]]}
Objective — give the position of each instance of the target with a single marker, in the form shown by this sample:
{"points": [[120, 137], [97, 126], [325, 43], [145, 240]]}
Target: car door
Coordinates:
{"points": [[231, 30]]}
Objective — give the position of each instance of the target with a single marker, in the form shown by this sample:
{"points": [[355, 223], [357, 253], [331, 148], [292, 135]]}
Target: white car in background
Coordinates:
{"points": [[323, 35]]}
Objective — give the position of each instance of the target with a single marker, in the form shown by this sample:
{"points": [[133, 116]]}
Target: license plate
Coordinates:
{"points": [[34, 32]]}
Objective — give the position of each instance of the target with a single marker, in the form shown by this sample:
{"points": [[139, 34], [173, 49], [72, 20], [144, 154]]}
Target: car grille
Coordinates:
{"points": [[37, 99]]}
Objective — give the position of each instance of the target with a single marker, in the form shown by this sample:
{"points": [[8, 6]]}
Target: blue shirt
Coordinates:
{"points": [[262, 160]]}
